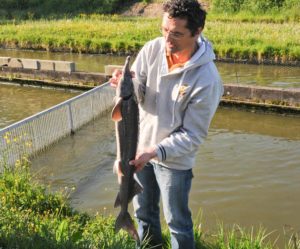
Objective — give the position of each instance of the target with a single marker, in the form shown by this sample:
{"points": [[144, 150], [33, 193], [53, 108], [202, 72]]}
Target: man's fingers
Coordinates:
{"points": [[113, 83], [138, 164], [142, 158], [139, 168], [116, 75], [135, 162]]}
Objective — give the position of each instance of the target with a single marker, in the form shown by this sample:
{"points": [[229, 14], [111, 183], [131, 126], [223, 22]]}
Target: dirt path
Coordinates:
{"points": [[151, 9], [144, 9]]}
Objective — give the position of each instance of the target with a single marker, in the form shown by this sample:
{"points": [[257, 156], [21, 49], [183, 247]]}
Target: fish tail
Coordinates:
{"points": [[124, 221], [137, 188]]}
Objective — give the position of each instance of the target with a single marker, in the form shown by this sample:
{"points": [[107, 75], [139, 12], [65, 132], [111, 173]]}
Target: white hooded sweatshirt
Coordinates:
{"points": [[176, 107]]}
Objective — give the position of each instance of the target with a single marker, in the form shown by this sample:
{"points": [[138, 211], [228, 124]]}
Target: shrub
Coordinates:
{"points": [[229, 6], [262, 6]]}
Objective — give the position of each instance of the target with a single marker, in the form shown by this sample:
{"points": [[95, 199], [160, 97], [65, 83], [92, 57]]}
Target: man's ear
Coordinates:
{"points": [[199, 31]]}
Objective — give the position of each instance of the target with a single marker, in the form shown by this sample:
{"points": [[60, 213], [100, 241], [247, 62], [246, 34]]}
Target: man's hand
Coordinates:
{"points": [[143, 157], [116, 76]]}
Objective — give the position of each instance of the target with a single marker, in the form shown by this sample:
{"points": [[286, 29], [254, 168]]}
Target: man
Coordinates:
{"points": [[179, 90]]}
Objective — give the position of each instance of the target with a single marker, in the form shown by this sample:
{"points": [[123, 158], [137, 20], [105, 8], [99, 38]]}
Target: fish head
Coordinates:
{"points": [[124, 91], [126, 88]]}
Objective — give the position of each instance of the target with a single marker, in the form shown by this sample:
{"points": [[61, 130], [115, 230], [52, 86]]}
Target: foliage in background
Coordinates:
{"points": [[286, 10], [32, 9], [256, 7], [35, 9]]}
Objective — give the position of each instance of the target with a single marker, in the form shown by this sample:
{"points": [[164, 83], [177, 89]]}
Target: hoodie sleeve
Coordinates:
{"points": [[140, 69], [196, 121]]}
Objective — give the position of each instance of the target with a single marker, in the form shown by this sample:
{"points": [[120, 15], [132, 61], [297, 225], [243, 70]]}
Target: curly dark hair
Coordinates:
{"points": [[190, 10]]}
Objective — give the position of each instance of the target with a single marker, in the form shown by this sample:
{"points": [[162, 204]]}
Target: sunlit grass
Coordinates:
{"points": [[256, 41], [243, 16], [96, 34]]}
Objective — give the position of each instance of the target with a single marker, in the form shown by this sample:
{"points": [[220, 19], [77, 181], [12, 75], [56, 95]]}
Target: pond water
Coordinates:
{"points": [[264, 75], [246, 172], [17, 103]]}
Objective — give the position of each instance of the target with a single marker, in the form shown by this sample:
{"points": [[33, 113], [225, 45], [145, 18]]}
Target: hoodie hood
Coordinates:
{"points": [[203, 55]]}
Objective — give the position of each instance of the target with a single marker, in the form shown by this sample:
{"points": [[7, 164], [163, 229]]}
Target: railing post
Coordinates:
{"points": [[71, 119]]}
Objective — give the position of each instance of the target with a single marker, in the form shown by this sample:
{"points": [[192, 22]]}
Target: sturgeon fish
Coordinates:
{"points": [[126, 116]]}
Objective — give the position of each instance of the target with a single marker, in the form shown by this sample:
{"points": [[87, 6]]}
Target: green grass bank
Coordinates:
{"points": [[33, 217], [233, 37]]}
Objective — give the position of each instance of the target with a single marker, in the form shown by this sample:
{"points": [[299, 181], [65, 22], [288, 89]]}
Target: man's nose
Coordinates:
{"points": [[168, 37]]}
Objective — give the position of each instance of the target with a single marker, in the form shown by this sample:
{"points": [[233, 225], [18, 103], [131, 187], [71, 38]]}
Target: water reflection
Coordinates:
{"points": [[264, 75], [17, 103], [237, 121]]}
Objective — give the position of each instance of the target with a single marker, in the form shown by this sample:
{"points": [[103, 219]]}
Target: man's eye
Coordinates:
{"points": [[176, 34]]}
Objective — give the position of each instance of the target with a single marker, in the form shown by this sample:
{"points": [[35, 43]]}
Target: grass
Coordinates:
{"points": [[288, 16], [93, 34], [232, 37], [255, 41], [33, 217]]}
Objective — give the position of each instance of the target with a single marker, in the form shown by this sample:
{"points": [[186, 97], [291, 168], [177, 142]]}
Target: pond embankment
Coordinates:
{"points": [[63, 74]]}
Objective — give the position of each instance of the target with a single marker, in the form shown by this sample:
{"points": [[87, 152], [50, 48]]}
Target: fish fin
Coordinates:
{"points": [[118, 170], [116, 114], [115, 168], [124, 221], [117, 201], [137, 188]]}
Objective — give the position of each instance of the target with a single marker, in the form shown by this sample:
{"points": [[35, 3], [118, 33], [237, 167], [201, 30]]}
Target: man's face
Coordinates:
{"points": [[178, 37]]}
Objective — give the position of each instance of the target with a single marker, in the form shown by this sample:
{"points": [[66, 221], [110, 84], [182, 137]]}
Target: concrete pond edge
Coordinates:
{"points": [[254, 98]]}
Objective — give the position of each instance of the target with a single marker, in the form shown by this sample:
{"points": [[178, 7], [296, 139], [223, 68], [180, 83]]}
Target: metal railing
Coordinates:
{"points": [[37, 132]]}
